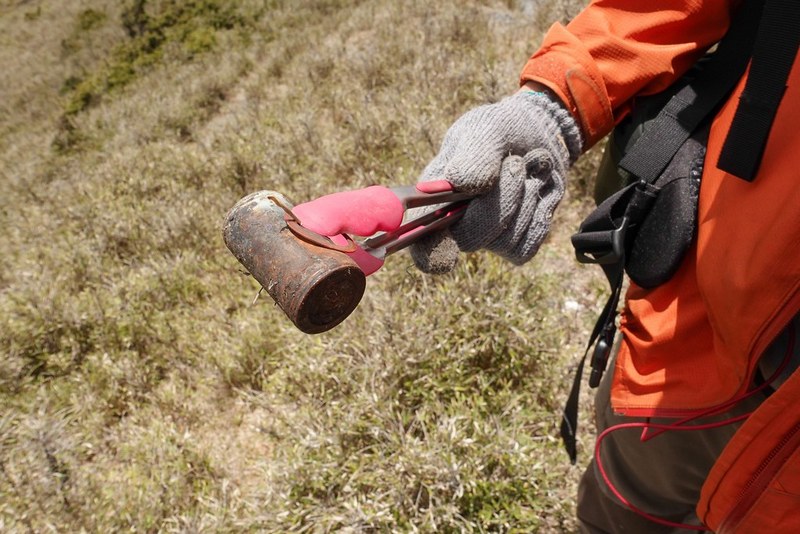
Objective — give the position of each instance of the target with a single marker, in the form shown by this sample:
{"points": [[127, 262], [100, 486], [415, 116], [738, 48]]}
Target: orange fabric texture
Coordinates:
{"points": [[755, 484], [693, 342], [614, 50]]}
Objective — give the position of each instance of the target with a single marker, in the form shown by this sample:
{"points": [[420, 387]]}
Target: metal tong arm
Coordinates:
{"points": [[413, 230], [428, 193]]}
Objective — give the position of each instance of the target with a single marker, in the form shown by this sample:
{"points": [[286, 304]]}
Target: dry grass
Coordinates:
{"points": [[142, 391]]}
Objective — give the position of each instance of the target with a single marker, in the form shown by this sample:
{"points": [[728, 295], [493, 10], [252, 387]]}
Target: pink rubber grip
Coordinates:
{"points": [[365, 261], [362, 212]]}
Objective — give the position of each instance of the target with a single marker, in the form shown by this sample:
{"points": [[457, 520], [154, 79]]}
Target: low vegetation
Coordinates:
{"points": [[143, 390]]}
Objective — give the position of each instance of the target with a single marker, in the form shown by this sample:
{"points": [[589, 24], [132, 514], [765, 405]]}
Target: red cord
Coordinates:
{"points": [[679, 426]]}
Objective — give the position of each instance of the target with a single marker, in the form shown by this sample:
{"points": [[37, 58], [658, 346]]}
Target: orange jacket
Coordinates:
{"points": [[693, 342]]}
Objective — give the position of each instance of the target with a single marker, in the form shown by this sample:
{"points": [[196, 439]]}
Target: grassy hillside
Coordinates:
{"points": [[143, 390]]}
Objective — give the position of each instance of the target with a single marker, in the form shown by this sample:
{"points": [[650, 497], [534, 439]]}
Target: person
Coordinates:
{"points": [[695, 344]]}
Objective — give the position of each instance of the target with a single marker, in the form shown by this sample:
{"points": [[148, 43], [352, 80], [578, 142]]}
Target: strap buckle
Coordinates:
{"points": [[604, 247], [602, 351]]}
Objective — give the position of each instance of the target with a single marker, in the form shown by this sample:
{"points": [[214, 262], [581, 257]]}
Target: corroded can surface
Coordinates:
{"points": [[316, 287]]}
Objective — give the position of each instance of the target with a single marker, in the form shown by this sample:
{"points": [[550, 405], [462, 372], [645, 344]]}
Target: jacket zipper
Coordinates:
{"points": [[759, 481]]}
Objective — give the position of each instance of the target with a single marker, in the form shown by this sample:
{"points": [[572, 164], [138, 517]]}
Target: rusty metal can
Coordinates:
{"points": [[316, 287]]}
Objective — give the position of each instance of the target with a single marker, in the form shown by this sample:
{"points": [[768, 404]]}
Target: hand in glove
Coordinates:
{"points": [[515, 154]]}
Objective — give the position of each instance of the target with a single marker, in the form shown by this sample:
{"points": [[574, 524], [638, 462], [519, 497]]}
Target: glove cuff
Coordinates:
{"points": [[567, 125]]}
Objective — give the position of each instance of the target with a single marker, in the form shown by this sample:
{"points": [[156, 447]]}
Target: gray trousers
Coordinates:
{"points": [[662, 476]]}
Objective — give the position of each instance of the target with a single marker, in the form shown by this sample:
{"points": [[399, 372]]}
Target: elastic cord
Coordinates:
{"points": [[680, 426]]}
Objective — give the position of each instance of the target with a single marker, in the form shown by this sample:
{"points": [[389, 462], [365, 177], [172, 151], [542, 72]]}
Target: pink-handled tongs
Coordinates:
{"points": [[377, 213]]}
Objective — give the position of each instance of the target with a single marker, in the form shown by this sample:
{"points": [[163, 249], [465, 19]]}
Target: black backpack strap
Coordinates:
{"points": [[653, 151], [603, 240], [773, 56], [603, 334]]}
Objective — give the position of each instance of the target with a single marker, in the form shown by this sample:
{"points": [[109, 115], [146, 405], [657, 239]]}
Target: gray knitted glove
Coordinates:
{"points": [[514, 153]]}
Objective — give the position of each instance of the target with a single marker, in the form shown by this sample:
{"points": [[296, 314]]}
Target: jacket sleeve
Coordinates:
{"points": [[616, 49]]}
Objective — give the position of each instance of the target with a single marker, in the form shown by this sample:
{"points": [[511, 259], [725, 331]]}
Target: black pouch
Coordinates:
{"points": [[668, 229], [647, 225]]}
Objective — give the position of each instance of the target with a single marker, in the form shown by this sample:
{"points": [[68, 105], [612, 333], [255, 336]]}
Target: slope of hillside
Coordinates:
{"points": [[143, 390]]}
